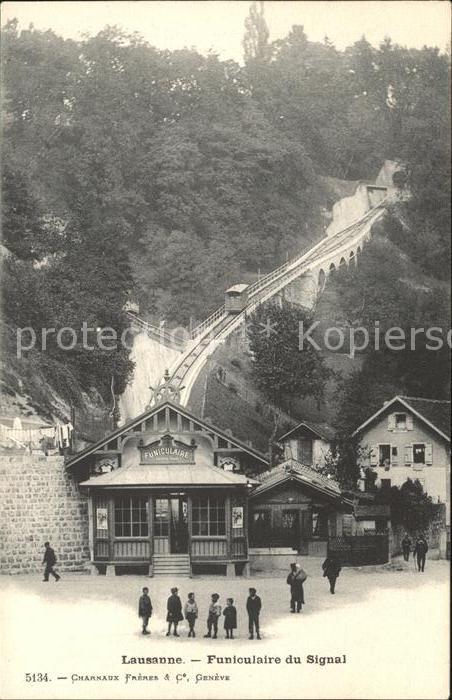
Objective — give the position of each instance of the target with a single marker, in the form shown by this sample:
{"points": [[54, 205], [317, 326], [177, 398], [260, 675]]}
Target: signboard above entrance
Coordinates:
{"points": [[167, 450]]}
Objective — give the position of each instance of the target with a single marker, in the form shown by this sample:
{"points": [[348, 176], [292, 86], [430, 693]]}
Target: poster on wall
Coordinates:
{"points": [[102, 519], [237, 517]]}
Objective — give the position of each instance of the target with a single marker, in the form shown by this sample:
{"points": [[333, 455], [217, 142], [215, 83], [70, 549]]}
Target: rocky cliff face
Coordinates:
{"points": [[151, 360], [351, 208]]}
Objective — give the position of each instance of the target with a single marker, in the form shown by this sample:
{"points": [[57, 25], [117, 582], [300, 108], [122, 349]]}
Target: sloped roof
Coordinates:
{"points": [[135, 422], [322, 430], [436, 412], [291, 470], [173, 475], [433, 412], [237, 288]]}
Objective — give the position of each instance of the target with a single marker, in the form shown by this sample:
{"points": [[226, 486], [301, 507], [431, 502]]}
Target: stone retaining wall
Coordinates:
{"points": [[38, 503]]}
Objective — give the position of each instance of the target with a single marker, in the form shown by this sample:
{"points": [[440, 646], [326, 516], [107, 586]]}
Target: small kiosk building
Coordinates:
{"points": [[168, 492]]}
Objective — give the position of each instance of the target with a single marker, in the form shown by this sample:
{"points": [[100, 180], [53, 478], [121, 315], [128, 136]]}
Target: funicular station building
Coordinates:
{"points": [[168, 493]]}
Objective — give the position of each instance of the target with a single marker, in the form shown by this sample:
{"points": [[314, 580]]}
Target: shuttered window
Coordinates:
{"points": [[374, 456], [384, 455], [419, 453], [304, 451]]}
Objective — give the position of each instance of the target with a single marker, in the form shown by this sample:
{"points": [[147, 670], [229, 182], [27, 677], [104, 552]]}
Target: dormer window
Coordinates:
{"points": [[400, 421], [304, 451]]}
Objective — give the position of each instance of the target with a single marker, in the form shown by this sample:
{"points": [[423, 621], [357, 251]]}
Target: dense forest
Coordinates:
{"points": [[163, 176]]}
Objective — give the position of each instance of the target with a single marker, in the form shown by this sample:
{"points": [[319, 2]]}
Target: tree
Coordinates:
{"points": [[343, 462], [280, 369], [382, 292], [179, 174], [411, 507], [26, 233], [255, 41]]}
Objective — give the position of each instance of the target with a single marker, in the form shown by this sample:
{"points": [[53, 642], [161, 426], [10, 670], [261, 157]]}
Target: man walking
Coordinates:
{"points": [[253, 607], [406, 547], [295, 580], [50, 561], [331, 570], [420, 551]]}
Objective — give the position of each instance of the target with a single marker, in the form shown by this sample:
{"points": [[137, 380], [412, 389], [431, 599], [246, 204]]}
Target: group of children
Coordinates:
{"points": [[176, 614]]}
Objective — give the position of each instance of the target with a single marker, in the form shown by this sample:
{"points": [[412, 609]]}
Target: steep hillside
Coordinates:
{"points": [[133, 173]]}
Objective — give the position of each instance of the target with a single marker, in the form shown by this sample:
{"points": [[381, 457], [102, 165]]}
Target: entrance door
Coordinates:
{"points": [[178, 512], [291, 528], [170, 528]]}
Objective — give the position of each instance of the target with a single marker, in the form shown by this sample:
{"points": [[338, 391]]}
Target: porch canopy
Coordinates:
{"points": [[293, 471], [168, 477]]}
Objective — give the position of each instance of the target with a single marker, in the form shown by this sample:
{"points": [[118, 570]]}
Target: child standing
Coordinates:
{"points": [[191, 613], [174, 615], [214, 614], [253, 606], [145, 609], [230, 618]]}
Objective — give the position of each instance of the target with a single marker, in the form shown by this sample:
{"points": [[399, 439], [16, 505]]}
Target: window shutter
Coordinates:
{"points": [[391, 421], [374, 456], [394, 455], [409, 422], [408, 454], [429, 453]]}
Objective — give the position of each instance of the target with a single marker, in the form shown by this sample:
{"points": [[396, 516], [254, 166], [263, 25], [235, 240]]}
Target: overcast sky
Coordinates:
{"points": [[219, 25]]}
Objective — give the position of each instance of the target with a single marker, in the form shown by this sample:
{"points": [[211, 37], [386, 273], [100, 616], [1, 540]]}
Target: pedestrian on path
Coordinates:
{"points": [[253, 607], [331, 570], [230, 618], [295, 580], [191, 613], [63, 435], [174, 614], [420, 552], [214, 614], [50, 561], [406, 547], [145, 609]]}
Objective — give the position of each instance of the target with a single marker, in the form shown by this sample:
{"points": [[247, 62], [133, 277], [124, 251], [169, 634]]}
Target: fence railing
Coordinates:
{"points": [[159, 334], [359, 550], [88, 428], [213, 318]]}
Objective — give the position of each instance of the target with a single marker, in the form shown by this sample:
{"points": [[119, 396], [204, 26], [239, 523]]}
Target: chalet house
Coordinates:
{"points": [[409, 438], [307, 443]]}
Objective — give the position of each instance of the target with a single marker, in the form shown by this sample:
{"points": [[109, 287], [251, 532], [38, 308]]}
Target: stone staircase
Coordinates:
{"points": [[172, 565]]}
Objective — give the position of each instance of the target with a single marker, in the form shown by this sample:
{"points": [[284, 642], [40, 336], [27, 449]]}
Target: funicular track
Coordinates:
{"points": [[219, 325]]}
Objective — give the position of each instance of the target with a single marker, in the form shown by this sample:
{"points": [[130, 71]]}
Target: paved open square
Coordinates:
{"points": [[380, 617]]}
